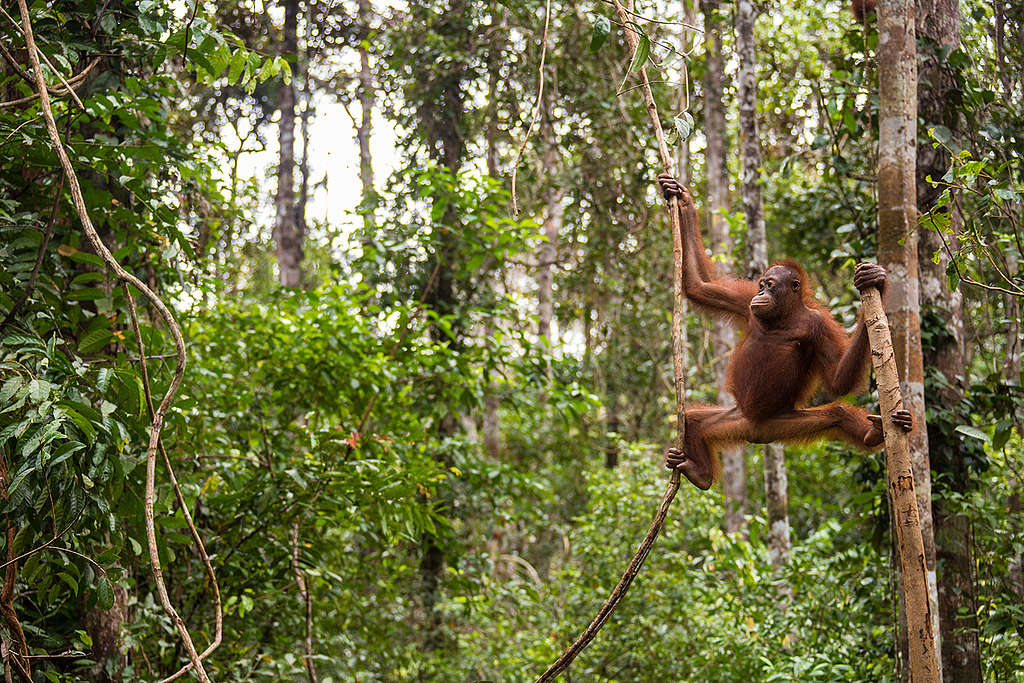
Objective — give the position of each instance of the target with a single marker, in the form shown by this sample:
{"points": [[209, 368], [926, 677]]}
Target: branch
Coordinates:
{"points": [[200, 546], [300, 582], [158, 417], [563, 662]]}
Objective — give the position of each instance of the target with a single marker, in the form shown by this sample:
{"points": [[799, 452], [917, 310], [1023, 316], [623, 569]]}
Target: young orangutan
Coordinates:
{"points": [[790, 345]]}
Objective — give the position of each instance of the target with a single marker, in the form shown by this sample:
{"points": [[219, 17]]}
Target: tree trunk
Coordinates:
{"points": [[900, 486], [444, 126], [897, 244], [547, 253], [750, 143], [723, 337], [366, 102], [307, 110], [938, 24], [286, 235], [776, 496], [491, 425]]}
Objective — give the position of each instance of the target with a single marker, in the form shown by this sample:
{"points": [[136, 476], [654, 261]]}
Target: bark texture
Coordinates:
{"points": [[551, 162], [287, 240], [900, 477], [938, 25], [897, 252], [723, 337], [776, 498], [367, 97], [750, 142]]}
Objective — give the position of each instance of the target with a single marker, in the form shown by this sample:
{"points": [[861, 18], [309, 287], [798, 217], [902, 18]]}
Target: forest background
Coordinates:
{"points": [[420, 436]]}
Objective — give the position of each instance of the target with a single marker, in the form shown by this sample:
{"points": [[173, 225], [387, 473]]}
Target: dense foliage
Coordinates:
{"points": [[398, 468]]}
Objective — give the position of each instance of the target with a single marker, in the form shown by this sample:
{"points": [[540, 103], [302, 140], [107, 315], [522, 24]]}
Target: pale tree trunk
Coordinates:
{"points": [[776, 495], [551, 161], [307, 110], [900, 488], [490, 424], [365, 128], [897, 242], [723, 337], [939, 21], [750, 143], [286, 235]]}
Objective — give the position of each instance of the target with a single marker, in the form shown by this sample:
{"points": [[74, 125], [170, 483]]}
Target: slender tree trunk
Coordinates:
{"points": [[776, 495], [750, 142], [367, 96], [307, 604], [900, 487], [938, 23], [307, 110], [547, 253], [897, 241], [286, 235], [491, 425], [723, 337]]}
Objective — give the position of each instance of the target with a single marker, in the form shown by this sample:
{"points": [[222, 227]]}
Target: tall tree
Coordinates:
{"points": [[551, 164], [897, 241], [287, 240], [436, 91], [776, 495], [367, 96], [723, 337], [938, 32]]}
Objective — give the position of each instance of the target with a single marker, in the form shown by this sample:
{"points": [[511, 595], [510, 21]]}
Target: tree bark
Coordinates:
{"points": [[307, 604], [491, 425], [897, 240], [750, 142], [551, 163], [723, 337], [900, 477], [306, 96], [938, 24], [776, 495], [286, 235], [367, 96]]}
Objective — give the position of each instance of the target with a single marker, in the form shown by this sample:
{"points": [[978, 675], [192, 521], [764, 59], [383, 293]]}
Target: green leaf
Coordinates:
{"points": [[80, 256], [1001, 437], [643, 50], [952, 276], [684, 125], [602, 27], [942, 134], [238, 62], [973, 432], [80, 421], [64, 452], [104, 593], [39, 390], [86, 294], [9, 388], [94, 341], [22, 540]]}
